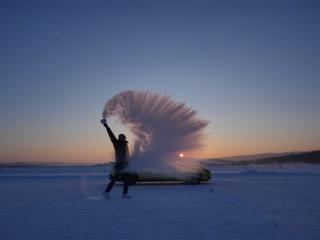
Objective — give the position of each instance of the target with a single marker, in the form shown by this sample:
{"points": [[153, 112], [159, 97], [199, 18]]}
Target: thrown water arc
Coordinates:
{"points": [[163, 128]]}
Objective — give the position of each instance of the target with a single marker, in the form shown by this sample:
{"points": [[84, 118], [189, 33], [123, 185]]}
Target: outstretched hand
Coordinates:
{"points": [[104, 122]]}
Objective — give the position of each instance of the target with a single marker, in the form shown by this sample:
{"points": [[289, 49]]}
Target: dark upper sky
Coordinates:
{"points": [[250, 67]]}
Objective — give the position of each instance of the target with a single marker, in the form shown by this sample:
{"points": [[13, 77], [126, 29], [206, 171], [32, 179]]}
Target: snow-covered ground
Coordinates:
{"points": [[239, 203]]}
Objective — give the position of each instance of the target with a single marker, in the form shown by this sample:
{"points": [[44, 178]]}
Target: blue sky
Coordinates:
{"points": [[249, 67]]}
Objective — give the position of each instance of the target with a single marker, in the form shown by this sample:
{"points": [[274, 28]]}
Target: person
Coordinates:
{"points": [[121, 149]]}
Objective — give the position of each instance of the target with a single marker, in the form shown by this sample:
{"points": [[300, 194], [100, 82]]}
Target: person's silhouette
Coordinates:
{"points": [[120, 146]]}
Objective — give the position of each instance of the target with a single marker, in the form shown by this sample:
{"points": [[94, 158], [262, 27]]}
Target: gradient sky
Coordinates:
{"points": [[249, 67]]}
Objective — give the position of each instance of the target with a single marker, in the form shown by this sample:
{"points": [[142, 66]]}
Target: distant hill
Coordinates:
{"points": [[24, 164], [304, 157], [257, 156], [39, 164], [312, 157], [52, 164]]}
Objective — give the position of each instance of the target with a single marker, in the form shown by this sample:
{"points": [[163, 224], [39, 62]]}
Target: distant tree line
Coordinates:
{"points": [[306, 157]]}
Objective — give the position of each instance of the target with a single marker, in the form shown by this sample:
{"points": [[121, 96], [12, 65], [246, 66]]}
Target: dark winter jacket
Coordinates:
{"points": [[121, 151]]}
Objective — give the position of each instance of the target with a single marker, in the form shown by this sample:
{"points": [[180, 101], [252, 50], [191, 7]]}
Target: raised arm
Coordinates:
{"points": [[110, 133]]}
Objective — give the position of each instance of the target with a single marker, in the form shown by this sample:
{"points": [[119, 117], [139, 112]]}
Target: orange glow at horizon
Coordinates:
{"points": [[89, 143]]}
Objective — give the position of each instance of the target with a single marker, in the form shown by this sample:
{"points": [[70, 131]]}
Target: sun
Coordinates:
{"points": [[181, 155]]}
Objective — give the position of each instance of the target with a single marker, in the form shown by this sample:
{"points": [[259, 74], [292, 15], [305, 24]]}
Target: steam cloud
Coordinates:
{"points": [[162, 127]]}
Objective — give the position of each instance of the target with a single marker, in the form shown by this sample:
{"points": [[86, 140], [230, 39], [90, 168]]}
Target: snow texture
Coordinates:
{"points": [[251, 203]]}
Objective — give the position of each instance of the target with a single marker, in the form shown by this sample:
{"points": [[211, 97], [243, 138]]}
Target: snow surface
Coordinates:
{"points": [[239, 203]]}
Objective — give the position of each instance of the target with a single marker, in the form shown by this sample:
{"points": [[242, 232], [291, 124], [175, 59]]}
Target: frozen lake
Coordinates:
{"points": [[239, 203]]}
